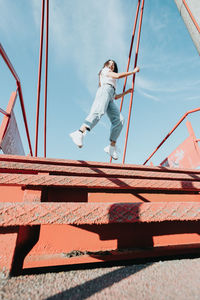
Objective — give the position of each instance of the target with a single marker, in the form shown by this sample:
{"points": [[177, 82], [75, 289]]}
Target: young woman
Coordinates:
{"points": [[104, 103]]}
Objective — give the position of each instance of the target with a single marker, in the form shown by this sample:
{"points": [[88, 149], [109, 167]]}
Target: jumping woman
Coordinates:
{"points": [[104, 103]]}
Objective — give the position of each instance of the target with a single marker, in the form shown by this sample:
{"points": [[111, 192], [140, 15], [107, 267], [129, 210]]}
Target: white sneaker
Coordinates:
{"points": [[112, 151], [77, 138]]}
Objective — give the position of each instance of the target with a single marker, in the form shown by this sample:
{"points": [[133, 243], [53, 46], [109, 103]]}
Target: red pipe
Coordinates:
{"points": [[4, 112], [168, 135], [8, 62], [46, 77], [130, 51], [191, 15], [39, 78], [11, 68], [133, 81], [24, 115]]}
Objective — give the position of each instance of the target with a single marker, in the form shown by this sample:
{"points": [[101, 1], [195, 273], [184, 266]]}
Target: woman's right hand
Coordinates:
{"points": [[137, 69]]}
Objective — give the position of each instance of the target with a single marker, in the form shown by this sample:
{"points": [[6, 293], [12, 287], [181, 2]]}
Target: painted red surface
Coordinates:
{"points": [[186, 155], [69, 212]]}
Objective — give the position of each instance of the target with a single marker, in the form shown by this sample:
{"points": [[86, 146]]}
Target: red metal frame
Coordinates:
{"points": [[133, 81], [39, 78], [19, 89], [46, 76], [4, 112], [168, 135], [9, 109], [191, 15], [130, 51], [51, 216]]}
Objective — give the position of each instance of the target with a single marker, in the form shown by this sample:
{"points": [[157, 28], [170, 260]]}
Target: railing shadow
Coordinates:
{"points": [[91, 287]]}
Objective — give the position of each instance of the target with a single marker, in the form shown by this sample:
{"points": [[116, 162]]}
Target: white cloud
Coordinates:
{"points": [[147, 95], [86, 34], [166, 86]]}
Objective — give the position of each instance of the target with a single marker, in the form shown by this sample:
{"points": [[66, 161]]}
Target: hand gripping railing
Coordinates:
{"points": [[19, 90], [168, 135], [127, 68]]}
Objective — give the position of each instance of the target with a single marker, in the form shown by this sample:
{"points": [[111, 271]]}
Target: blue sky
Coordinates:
{"points": [[84, 34]]}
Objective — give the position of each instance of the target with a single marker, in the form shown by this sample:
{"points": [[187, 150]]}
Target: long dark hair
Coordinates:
{"points": [[105, 65]]}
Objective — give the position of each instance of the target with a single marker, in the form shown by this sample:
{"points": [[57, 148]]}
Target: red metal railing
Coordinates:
{"points": [[168, 135], [130, 54], [39, 76], [133, 81], [130, 51], [4, 112], [19, 90]]}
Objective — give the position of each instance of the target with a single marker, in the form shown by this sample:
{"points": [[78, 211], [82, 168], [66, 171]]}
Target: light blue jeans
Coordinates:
{"points": [[104, 103]]}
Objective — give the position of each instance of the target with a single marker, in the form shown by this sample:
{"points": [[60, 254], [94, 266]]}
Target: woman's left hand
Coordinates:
{"points": [[129, 91]]}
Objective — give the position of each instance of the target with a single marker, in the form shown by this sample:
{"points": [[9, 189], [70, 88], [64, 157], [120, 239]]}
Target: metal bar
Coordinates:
{"points": [[130, 51], [168, 135], [191, 15], [46, 77], [39, 77], [4, 112], [8, 62], [24, 116], [100, 184], [133, 81], [5, 120]]}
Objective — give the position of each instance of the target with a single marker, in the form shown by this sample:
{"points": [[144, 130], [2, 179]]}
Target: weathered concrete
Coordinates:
{"points": [[163, 280], [194, 6]]}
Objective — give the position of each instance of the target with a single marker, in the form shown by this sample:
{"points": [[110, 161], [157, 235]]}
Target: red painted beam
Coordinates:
{"points": [[90, 164], [13, 214], [34, 168], [99, 183]]}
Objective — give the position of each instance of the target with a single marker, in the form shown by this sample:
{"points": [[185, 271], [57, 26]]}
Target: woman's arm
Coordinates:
{"points": [[123, 74], [123, 94]]}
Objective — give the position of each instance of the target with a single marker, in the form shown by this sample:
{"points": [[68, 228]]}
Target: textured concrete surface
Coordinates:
{"points": [[172, 279]]}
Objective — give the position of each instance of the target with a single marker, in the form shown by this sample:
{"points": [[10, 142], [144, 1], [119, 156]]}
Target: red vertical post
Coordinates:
{"points": [[130, 51], [46, 77], [24, 115], [39, 77], [133, 81]]}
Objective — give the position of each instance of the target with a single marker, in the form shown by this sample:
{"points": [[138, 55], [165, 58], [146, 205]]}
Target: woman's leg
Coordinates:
{"points": [[99, 107], [117, 122]]}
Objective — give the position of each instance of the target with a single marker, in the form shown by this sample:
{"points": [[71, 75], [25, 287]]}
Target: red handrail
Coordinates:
{"points": [[133, 81], [39, 78], [46, 78], [4, 112], [130, 51], [168, 135], [12, 70]]}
